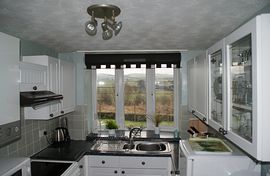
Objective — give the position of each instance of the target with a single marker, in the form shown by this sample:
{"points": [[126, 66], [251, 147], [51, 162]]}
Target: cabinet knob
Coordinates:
{"points": [[51, 115], [62, 112], [204, 119], [123, 172], [143, 163], [103, 162], [224, 132], [220, 130], [115, 171], [35, 88], [80, 166], [192, 111]]}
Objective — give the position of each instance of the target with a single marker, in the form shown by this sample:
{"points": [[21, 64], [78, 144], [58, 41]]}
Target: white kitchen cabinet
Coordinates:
{"points": [[217, 88], [52, 84], [248, 86], [9, 89], [128, 165], [197, 86], [67, 86], [83, 166], [60, 80]]}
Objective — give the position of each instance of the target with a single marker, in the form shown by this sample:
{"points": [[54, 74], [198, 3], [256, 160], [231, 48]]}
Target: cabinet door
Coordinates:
{"points": [[53, 83], [191, 84], [217, 88], [67, 86], [143, 172], [242, 82], [96, 171], [201, 86]]}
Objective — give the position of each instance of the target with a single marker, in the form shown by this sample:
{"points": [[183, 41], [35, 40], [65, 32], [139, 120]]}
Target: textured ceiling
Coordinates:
{"points": [[147, 24]]}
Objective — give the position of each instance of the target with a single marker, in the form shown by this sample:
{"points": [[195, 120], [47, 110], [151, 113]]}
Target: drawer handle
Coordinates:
{"points": [[115, 171], [123, 172], [103, 162], [143, 163]]}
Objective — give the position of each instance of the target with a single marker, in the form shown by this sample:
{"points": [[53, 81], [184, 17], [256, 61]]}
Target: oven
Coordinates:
{"points": [[15, 167], [54, 168]]}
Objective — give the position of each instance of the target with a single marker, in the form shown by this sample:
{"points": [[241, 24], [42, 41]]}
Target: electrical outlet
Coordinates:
{"points": [[41, 133]]}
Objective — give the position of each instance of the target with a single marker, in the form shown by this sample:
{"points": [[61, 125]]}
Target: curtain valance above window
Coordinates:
{"points": [[96, 60]]}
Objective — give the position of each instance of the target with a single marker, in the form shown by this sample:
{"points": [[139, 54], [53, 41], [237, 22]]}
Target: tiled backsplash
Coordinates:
{"points": [[30, 141], [77, 123]]}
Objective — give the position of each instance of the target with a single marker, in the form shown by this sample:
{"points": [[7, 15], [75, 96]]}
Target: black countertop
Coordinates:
{"points": [[72, 151], [76, 149]]}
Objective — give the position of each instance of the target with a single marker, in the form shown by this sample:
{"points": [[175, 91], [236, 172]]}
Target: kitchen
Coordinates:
{"points": [[32, 140]]}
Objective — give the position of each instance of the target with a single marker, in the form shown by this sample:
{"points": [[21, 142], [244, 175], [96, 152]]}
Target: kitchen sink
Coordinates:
{"points": [[148, 146], [134, 147]]}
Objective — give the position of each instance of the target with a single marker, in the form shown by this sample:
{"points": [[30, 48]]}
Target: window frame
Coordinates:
{"points": [[150, 98]]}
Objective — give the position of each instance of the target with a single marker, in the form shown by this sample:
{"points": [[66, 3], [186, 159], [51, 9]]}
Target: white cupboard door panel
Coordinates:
{"points": [[103, 161], [9, 71], [53, 82], [67, 86], [144, 172], [144, 162], [92, 171]]}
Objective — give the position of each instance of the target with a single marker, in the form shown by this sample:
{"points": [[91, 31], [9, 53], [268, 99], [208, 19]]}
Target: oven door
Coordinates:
{"points": [[55, 168]]}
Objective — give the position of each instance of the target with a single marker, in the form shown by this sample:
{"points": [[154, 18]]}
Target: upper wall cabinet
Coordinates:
{"points": [[197, 86], [67, 86], [9, 89], [248, 86], [217, 91], [60, 76]]}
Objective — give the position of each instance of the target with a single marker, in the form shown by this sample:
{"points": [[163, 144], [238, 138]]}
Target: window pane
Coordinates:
{"points": [[164, 95], [105, 95], [135, 97]]}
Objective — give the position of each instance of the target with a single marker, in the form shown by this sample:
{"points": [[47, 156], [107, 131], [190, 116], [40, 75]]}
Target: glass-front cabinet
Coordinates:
{"points": [[240, 68], [248, 86], [216, 86]]}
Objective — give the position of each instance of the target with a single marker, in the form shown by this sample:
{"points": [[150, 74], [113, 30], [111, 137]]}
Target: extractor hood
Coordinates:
{"points": [[39, 99]]}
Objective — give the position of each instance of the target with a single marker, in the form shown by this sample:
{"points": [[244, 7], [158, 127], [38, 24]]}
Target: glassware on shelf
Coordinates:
{"points": [[241, 87]]}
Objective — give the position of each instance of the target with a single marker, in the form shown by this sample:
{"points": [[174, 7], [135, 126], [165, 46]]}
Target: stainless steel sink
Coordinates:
{"points": [[151, 147], [136, 147]]}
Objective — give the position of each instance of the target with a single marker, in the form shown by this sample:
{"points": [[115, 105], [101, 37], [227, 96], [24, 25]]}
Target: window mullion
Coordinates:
{"points": [[150, 96], [93, 82], [119, 99], [177, 96]]}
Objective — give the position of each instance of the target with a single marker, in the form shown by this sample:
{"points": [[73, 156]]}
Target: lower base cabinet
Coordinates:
{"points": [[128, 166]]}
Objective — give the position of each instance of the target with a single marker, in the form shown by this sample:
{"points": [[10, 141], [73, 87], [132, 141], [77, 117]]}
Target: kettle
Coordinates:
{"points": [[61, 135]]}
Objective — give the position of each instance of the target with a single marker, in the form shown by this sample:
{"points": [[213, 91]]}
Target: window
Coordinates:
{"points": [[135, 97], [132, 88], [105, 95], [122, 95], [164, 93]]}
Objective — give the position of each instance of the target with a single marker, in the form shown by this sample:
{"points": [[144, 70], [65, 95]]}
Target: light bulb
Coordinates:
{"points": [[91, 28]]}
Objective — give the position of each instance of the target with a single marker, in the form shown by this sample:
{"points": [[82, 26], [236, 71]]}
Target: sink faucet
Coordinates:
{"points": [[133, 133]]}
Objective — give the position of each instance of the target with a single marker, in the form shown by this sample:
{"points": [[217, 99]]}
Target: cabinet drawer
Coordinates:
{"points": [[144, 162], [103, 161]]}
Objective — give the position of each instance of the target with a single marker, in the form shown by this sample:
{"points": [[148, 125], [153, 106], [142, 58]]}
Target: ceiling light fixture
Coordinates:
{"points": [[109, 25]]}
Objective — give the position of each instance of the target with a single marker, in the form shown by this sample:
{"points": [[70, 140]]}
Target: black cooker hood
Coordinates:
{"points": [[38, 99]]}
